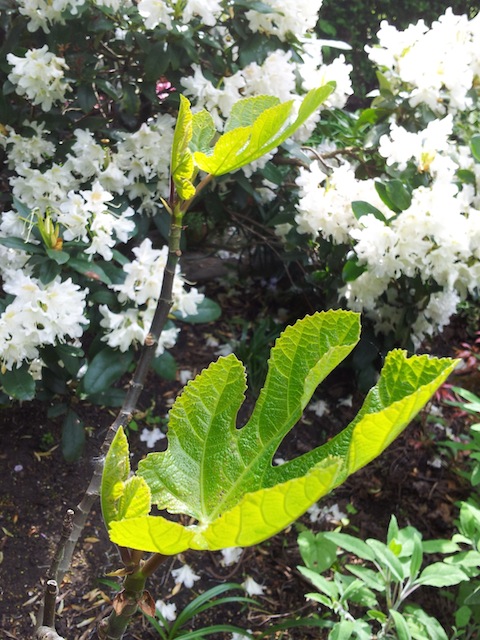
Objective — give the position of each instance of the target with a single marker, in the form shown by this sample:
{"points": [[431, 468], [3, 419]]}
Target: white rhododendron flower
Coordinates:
{"points": [[144, 278], [185, 575], [40, 76], [132, 327], [156, 12], [43, 13], [24, 150], [286, 16], [142, 287], [436, 66], [252, 587], [39, 315], [277, 75], [400, 145], [207, 10], [152, 436], [231, 555], [167, 609]]}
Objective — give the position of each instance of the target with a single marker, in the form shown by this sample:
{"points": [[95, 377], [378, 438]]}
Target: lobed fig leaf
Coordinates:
{"points": [[223, 477], [256, 126]]}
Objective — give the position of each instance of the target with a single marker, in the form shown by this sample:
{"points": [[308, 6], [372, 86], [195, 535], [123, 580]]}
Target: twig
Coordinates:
{"points": [[60, 550], [51, 593], [47, 633], [164, 305]]}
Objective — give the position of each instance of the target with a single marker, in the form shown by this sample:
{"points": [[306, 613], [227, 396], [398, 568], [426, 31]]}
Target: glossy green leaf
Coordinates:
{"points": [[73, 437], [207, 311], [223, 476], [60, 257], [361, 208], [165, 366], [20, 245], [475, 146], [352, 270], [182, 166], [394, 194], [89, 269], [18, 383], [104, 370], [268, 127]]}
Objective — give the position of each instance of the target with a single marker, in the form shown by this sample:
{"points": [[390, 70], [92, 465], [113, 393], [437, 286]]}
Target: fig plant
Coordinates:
{"points": [[220, 475], [223, 476]]}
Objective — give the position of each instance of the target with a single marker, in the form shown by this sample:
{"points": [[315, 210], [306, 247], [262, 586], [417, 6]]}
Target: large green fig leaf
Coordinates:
{"points": [[256, 126], [223, 477]]}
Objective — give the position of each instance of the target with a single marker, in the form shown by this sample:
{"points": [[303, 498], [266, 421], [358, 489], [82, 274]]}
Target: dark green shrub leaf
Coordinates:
{"points": [[165, 366], [361, 208], [89, 269], [207, 311], [475, 146], [21, 245], [73, 437], [18, 383], [352, 270], [60, 257], [104, 370]]}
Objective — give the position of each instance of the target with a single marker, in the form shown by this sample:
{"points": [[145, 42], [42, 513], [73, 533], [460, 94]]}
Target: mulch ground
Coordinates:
{"points": [[37, 486]]}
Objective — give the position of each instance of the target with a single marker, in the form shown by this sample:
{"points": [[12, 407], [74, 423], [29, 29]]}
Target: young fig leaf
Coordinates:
{"points": [[115, 472], [182, 165], [253, 130]]}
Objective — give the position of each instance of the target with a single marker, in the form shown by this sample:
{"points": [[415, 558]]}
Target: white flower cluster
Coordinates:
{"points": [[78, 194], [139, 167], [29, 150], [276, 76], [437, 66], [437, 238], [39, 315], [286, 17], [160, 12], [142, 287], [40, 76], [43, 13]]}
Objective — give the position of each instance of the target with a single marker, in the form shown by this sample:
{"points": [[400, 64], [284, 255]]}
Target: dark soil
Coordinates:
{"points": [[37, 486]]}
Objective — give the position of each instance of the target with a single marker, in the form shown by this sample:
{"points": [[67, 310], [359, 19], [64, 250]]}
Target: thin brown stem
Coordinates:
{"points": [[160, 318]]}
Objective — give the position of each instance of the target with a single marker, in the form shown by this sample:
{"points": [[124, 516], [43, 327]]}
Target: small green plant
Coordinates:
{"points": [[372, 598], [464, 550], [470, 443]]}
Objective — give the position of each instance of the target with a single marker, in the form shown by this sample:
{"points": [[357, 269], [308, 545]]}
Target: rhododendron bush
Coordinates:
{"points": [[87, 114], [405, 205], [90, 96]]}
